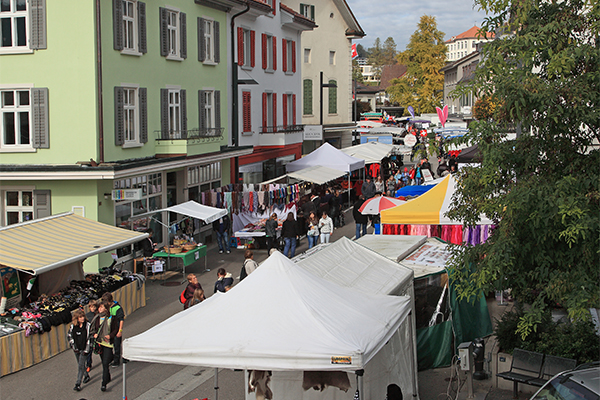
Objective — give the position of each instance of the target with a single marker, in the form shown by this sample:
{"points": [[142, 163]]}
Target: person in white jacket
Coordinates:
{"points": [[326, 227]]}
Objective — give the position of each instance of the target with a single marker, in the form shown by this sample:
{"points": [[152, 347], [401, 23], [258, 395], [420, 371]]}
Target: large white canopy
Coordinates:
{"points": [[192, 209], [317, 174], [327, 156], [371, 152], [279, 318]]}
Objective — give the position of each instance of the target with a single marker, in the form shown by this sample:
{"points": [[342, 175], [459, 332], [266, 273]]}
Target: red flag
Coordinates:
{"points": [[354, 52]]}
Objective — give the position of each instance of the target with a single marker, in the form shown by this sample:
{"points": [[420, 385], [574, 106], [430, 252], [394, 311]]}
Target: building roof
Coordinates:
{"points": [[354, 28], [472, 33], [364, 89], [460, 61], [389, 72], [299, 18]]}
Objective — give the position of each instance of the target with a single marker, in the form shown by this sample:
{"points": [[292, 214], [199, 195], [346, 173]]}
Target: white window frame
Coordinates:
{"points": [[209, 108], [133, 31], [290, 108], [131, 116], [307, 54], [247, 49], [270, 110], [13, 14], [173, 34], [209, 41], [331, 57], [174, 114], [288, 54], [20, 208], [270, 52], [15, 108]]}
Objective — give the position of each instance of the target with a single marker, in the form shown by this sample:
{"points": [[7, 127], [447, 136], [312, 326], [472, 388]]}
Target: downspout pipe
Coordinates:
{"points": [[235, 140], [99, 85]]}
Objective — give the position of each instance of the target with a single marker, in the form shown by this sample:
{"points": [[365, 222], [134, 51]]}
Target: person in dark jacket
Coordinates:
{"points": [[117, 312], [308, 207], [271, 231], [360, 219], [221, 228], [148, 246], [224, 281], [79, 340], [192, 286], [368, 188], [289, 232], [104, 329]]}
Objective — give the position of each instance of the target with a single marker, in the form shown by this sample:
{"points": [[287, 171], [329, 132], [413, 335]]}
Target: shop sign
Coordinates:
{"points": [[410, 140], [127, 194], [313, 132], [11, 286], [341, 360]]}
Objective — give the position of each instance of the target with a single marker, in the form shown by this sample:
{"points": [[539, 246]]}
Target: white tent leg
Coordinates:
{"points": [[124, 381], [413, 346], [349, 189], [216, 383]]}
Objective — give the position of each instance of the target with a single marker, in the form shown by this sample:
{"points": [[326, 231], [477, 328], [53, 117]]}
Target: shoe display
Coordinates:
{"points": [[86, 379], [103, 388], [77, 388]]}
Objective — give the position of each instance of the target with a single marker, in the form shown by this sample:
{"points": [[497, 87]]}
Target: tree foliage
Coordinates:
{"points": [[357, 73], [422, 86], [542, 188]]}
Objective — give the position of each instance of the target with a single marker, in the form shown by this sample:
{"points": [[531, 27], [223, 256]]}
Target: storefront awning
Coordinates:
{"points": [[192, 209], [44, 244]]}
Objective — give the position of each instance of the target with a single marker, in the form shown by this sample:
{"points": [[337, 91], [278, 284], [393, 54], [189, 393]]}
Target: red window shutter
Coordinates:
{"points": [[265, 123], [264, 50], [240, 46], [274, 112], [293, 109], [284, 109], [293, 56], [252, 52], [274, 53], [247, 112], [283, 55], [274, 7]]}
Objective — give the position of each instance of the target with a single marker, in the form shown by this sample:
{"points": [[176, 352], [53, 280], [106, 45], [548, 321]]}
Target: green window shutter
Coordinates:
{"points": [[201, 46], [302, 7], [143, 46], [119, 116], [312, 12], [183, 30], [308, 97], [37, 27], [164, 113], [143, 101], [118, 24], [217, 40], [41, 204], [183, 105], [201, 116], [164, 40], [217, 108], [332, 98], [41, 136]]}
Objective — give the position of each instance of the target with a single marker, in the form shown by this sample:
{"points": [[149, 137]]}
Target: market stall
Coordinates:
{"points": [[43, 286], [332, 328], [251, 226], [441, 318]]}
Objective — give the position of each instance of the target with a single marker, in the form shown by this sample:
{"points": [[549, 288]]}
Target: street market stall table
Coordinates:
{"points": [[187, 258]]}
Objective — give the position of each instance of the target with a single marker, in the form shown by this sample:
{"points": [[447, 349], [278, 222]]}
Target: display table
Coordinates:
{"points": [[187, 258], [18, 351]]}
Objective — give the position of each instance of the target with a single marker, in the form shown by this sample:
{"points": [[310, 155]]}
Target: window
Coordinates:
{"points": [[129, 26], [269, 52], [22, 25], [307, 56], [131, 116], [246, 112], [288, 55], [332, 98], [208, 43], [173, 114], [173, 34], [289, 109], [308, 11], [246, 47], [209, 112], [307, 105], [332, 58], [269, 112], [24, 204], [24, 119]]}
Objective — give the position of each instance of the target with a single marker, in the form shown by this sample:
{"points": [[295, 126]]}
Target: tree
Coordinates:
{"points": [[362, 52], [376, 53], [542, 189], [356, 72], [389, 52], [422, 86]]}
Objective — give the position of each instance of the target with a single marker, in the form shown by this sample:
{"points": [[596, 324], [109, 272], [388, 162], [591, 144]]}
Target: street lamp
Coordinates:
{"points": [[321, 86]]}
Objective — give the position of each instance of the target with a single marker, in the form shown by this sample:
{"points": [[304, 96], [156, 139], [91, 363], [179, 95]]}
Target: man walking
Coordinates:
{"points": [[221, 228], [360, 219], [116, 311], [368, 188]]}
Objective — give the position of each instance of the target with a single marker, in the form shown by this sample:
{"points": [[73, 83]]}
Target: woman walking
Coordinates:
{"points": [[326, 227], [271, 231], [79, 339], [313, 230], [104, 329], [379, 185], [289, 231]]}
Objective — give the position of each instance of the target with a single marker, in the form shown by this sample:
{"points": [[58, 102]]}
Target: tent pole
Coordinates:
{"points": [[124, 381], [413, 345], [216, 383], [349, 189], [360, 387]]}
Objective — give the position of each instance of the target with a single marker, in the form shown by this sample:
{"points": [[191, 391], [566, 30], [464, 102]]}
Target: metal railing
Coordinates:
{"points": [[190, 134], [282, 129]]}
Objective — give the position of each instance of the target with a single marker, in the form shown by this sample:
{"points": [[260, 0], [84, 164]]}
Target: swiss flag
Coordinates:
{"points": [[354, 52]]}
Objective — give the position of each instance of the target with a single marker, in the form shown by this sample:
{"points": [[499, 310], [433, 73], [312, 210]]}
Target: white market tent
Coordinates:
{"points": [[327, 156], [350, 264], [280, 318], [192, 209], [372, 152], [317, 174]]}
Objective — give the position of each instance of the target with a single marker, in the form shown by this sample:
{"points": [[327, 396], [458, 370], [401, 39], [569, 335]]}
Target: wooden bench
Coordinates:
{"points": [[525, 366], [552, 366]]}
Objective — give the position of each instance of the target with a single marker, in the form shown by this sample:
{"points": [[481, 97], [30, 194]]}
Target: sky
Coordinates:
{"points": [[398, 19]]}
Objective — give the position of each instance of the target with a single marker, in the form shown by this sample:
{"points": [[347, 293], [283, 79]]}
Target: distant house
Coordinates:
{"points": [[456, 73], [389, 73], [465, 43]]}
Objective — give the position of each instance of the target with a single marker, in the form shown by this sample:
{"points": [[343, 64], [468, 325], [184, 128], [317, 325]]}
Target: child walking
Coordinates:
{"points": [[79, 339]]}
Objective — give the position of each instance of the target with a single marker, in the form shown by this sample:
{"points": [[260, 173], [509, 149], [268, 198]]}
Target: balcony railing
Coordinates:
{"points": [[282, 129], [191, 134]]}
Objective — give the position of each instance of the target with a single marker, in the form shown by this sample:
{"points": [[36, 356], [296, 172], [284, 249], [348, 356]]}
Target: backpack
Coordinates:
{"points": [[182, 298], [243, 273]]}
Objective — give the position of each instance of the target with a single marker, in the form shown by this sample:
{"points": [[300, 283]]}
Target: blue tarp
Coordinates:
{"points": [[416, 190]]}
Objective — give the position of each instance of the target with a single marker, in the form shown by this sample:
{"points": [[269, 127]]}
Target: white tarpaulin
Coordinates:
{"points": [[327, 156], [190, 208], [371, 152], [280, 317], [317, 174], [242, 219]]}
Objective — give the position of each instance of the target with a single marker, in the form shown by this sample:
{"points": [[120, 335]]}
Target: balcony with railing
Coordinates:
{"points": [[188, 142], [280, 135]]}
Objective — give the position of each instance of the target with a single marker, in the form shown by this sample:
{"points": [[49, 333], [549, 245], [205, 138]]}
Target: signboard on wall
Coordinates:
{"points": [[313, 132], [127, 194]]}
